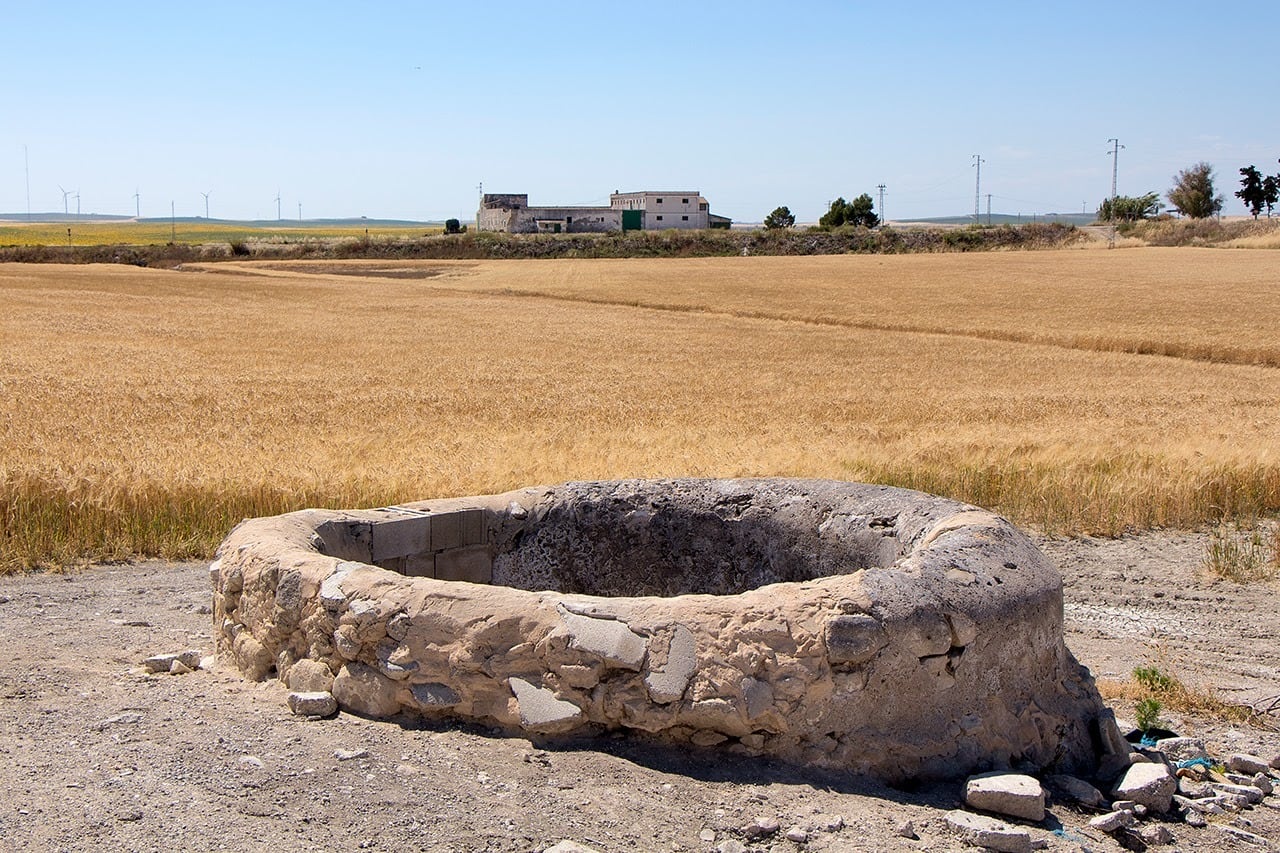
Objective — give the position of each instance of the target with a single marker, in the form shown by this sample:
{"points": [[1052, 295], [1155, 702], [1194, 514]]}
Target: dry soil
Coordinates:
{"points": [[97, 755]]}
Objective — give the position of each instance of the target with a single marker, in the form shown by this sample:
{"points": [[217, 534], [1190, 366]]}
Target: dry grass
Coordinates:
{"points": [[1168, 691], [155, 231], [145, 411]]}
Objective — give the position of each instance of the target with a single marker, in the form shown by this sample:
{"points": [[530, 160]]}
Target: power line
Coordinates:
{"points": [[977, 187], [1115, 164]]}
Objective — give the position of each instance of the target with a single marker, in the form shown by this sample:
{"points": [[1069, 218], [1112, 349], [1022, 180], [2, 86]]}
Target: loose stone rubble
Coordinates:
{"points": [[889, 632]]}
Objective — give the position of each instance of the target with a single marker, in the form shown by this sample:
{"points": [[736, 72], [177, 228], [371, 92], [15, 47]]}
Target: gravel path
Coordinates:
{"points": [[97, 755]]}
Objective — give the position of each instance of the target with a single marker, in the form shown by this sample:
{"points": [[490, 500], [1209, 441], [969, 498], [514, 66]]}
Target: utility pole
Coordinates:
{"points": [[1115, 166], [881, 188], [173, 224], [988, 208], [26, 163], [977, 188]]}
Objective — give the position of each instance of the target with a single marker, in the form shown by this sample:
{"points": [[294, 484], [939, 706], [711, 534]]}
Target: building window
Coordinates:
{"points": [[659, 217], [568, 220], [658, 200], [684, 201], [684, 219]]}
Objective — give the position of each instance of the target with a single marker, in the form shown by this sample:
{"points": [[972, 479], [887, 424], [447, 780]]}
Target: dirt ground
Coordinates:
{"points": [[97, 755]]}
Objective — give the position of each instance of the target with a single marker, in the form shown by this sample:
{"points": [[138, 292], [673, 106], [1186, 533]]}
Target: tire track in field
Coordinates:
{"points": [[1237, 356]]}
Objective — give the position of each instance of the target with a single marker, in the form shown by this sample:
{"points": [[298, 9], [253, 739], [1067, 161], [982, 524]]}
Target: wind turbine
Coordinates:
{"points": [[137, 205], [206, 203], [77, 204], [65, 193], [278, 216]]}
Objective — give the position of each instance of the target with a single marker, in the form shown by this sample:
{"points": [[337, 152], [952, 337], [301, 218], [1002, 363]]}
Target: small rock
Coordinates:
{"points": [[988, 832], [1262, 782], [1194, 818], [1113, 821], [1250, 793], [796, 834], [829, 822], [1155, 833], [1012, 794], [179, 668], [1077, 790], [1150, 784], [1124, 806], [1244, 836], [761, 827], [708, 835], [570, 847], [1248, 764], [1192, 788], [129, 815], [1275, 762], [907, 829], [350, 754], [1182, 748], [317, 703], [251, 761], [731, 846]]}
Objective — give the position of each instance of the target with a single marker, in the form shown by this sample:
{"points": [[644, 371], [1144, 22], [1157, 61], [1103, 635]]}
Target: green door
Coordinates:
{"points": [[632, 220]]}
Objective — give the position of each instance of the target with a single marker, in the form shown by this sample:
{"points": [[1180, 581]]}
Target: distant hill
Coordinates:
{"points": [[1005, 219], [349, 222]]}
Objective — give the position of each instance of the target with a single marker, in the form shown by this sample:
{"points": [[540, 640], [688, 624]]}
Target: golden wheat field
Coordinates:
{"points": [[146, 411]]}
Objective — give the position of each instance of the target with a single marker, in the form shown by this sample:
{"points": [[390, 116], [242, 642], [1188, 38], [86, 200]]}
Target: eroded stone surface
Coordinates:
{"points": [[880, 630]]}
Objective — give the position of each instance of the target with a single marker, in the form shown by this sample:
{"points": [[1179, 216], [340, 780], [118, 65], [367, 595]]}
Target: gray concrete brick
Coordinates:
{"points": [[446, 530], [401, 537], [472, 523], [471, 563], [420, 566]]}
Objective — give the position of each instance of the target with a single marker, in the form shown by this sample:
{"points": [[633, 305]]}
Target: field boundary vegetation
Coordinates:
{"points": [[489, 245]]}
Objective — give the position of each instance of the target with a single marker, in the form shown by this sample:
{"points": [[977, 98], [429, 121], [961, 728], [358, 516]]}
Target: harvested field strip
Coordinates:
{"points": [[1219, 354], [145, 411]]}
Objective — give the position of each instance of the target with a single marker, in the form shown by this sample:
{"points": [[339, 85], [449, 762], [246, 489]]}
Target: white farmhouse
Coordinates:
{"points": [[638, 211]]}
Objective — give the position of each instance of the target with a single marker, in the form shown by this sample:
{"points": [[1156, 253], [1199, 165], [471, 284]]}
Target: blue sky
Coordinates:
{"points": [[401, 109]]}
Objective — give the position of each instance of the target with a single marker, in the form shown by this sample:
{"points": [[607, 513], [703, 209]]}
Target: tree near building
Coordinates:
{"points": [[1193, 194], [860, 211], [782, 217], [1270, 192], [1251, 191], [1123, 208]]}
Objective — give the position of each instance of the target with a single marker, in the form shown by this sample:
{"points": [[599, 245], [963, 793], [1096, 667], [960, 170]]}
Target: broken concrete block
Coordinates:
{"points": [[669, 683], [1077, 790], [1182, 748], [854, 639], [1012, 794], [363, 690], [541, 711], [309, 676], [1242, 762], [609, 639], [1113, 821]]}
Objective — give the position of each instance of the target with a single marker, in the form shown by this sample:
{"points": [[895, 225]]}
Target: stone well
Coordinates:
{"points": [[885, 631]]}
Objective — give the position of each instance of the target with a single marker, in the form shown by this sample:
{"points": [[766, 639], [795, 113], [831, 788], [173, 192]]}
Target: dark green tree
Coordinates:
{"points": [[1270, 192], [782, 217], [1251, 191], [1125, 208], [452, 226], [856, 212], [1193, 192]]}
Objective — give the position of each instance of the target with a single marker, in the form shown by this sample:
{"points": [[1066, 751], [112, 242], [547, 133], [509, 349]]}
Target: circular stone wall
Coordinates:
{"points": [[886, 631]]}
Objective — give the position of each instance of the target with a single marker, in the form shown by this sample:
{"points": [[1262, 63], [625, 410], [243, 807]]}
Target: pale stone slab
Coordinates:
{"points": [[1150, 784], [611, 639], [1012, 794], [313, 703], [669, 683], [988, 832]]}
